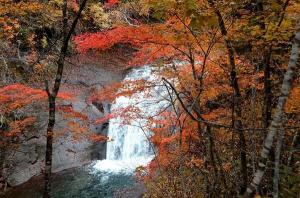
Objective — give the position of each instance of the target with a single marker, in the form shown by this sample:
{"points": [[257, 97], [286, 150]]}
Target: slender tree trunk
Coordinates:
{"points": [[211, 152], [214, 158], [266, 113], [53, 93], [267, 89], [267, 110], [267, 105], [237, 122], [48, 159], [277, 120]]}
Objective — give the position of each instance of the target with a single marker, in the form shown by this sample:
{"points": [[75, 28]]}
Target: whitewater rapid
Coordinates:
{"points": [[130, 147]]}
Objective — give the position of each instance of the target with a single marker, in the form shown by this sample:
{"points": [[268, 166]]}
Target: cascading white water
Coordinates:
{"points": [[130, 147]]}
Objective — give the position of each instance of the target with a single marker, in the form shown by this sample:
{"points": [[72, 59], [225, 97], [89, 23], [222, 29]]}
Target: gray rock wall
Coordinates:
{"points": [[28, 159]]}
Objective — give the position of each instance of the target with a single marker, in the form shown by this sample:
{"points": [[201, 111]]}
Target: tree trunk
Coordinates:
{"points": [[48, 158], [277, 121], [53, 94], [237, 122], [267, 89]]}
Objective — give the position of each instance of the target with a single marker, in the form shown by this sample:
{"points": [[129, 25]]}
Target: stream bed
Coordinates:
{"points": [[84, 182]]}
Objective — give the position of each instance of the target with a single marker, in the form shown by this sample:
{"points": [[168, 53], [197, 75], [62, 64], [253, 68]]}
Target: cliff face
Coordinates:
{"points": [[28, 158]]}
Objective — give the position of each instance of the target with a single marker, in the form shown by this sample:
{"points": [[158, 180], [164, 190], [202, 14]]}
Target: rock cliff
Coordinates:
{"points": [[28, 158]]}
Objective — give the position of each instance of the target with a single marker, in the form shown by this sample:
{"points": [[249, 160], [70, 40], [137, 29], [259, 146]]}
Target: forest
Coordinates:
{"points": [[149, 98]]}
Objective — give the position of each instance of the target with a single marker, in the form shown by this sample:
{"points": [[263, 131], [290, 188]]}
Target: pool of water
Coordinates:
{"points": [[84, 182]]}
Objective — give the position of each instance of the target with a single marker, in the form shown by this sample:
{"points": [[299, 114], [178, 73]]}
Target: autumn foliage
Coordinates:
{"points": [[222, 66], [111, 3]]}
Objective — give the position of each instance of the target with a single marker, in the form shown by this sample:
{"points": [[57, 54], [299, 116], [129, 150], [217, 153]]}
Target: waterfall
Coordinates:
{"points": [[129, 146]]}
